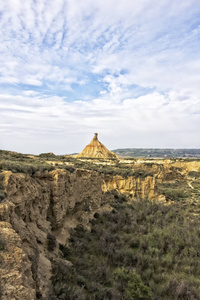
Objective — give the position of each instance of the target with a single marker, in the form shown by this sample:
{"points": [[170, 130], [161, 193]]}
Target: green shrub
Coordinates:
{"points": [[194, 174], [51, 242], [175, 191], [47, 155], [25, 167], [181, 290], [65, 250], [175, 195], [155, 240], [2, 176], [2, 195], [2, 244], [130, 284], [2, 191]]}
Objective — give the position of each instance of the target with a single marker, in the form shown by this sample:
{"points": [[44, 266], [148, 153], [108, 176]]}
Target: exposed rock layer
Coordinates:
{"points": [[48, 203], [95, 149]]}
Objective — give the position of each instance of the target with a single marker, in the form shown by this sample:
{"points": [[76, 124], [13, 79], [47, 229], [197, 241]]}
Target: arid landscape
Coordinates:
{"points": [[99, 150], [94, 228]]}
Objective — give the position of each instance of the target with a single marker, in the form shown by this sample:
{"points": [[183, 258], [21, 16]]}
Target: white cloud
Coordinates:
{"points": [[130, 123], [104, 34], [142, 57]]}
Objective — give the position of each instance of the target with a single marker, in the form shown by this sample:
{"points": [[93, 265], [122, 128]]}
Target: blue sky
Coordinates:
{"points": [[129, 70]]}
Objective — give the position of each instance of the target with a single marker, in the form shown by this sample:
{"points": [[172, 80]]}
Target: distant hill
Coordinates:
{"points": [[157, 152]]}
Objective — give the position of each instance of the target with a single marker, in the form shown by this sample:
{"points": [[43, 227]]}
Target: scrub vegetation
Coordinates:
{"points": [[2, 243], [139, 250], [30, 164], [22, 163]]}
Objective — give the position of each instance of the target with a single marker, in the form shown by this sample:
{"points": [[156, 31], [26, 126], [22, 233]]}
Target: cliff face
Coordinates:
{"points": [[132, 187], [49, 203], [40, 210], [15, 267]]}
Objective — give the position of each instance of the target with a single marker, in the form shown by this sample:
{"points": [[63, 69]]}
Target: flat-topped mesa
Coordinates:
{"points": [[96, 149]]}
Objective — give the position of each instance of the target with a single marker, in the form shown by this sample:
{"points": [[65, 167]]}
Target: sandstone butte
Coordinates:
{"points": [[95, 149]]}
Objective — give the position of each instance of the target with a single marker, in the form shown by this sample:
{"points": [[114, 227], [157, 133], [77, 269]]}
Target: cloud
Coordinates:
{"points": [[123, 68], [53, 123], [40, 36]]}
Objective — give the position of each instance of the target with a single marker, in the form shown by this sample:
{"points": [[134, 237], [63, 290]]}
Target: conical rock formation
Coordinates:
{"points": [[96, 149]]}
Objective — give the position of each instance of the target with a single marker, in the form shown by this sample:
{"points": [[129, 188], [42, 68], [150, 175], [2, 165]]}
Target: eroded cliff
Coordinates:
{"points": [[39, 210], [48, 203]]}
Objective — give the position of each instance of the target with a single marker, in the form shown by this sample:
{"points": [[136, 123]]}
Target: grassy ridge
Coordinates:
{"points": [[22, 163]]}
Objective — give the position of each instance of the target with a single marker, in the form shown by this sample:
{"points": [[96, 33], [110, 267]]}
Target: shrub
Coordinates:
{"points": [[51, 242], [27, 167], [175, 191], [156, 240], [194, 174], [2, 243], [65, 250], [2, 195], [130, 284], [181, 290], [96, 215], [63, 285], [2, 181], [2, 191]]}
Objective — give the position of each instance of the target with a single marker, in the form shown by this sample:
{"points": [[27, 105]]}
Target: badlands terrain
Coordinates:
{"points": [[99, 228]]}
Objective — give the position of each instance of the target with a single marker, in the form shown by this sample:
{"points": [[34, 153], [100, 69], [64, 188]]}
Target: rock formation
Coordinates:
{"points": [[96, 149]]}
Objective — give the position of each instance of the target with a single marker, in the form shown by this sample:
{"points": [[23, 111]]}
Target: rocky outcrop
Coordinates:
{"points": [[140, 188], [95, 149]]}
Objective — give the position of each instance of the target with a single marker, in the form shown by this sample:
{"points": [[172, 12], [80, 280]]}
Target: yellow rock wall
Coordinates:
{"points": [[134, 187]]}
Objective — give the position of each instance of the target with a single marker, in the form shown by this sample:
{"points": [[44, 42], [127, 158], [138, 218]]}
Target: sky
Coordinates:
{"points": [[127, 69]]}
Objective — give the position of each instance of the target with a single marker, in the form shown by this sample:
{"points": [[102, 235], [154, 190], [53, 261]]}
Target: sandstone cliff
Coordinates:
{"points": [[52, 202], [132, 187]]}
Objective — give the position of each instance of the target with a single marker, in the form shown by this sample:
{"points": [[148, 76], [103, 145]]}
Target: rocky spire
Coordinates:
{"points": [[95, 149], [95, 136]]}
